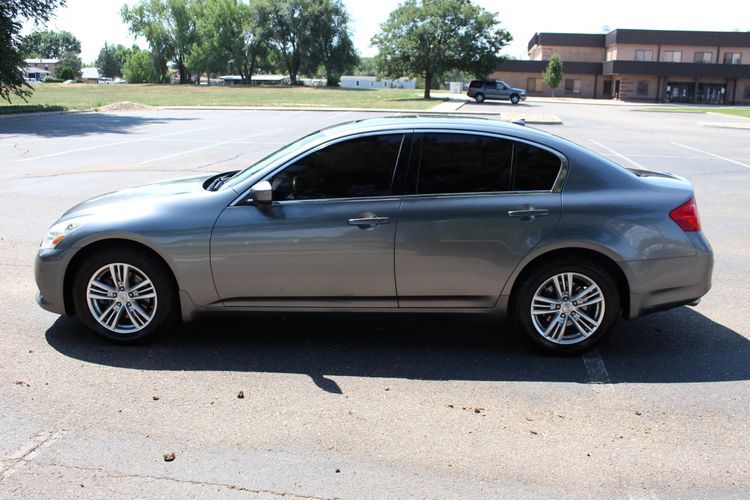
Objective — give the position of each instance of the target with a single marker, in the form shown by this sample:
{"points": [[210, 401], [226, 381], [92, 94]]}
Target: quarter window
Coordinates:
{"points": [[535, 169], [350, 169], [464, 163]]}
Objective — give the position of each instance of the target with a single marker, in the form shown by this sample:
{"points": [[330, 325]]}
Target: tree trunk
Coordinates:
{"points": [[427, 84]]}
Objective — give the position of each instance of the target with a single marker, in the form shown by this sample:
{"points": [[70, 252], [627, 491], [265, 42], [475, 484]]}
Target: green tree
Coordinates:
{"points": [[66, 73], [13, 13], [139, 68], [107, 63], [429, 37], [331, 44], [50, 44], [291, 25], [169, 28], [366, 67], [553, 73]]}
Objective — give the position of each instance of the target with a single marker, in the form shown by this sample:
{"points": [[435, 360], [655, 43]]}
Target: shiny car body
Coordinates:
{"points": [[317, 227]]}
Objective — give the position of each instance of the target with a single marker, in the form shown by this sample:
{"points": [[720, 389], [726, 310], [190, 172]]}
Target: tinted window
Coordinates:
{"points": [[475, 84], [463, 163], [349, 169], [535, 169]]}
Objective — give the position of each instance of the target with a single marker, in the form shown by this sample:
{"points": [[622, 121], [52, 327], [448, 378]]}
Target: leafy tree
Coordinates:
{"points": [[169, 28], [123, 54], [66, 73], [429, 37], [107, 63], [366, 67], [50, 44], [331, 44], [291, 24], [139, 68], [72, 61], [13, 13], [553, 73]]}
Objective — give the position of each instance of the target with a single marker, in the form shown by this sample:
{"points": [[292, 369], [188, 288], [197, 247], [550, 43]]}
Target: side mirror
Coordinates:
{"points": [[262, 193]]}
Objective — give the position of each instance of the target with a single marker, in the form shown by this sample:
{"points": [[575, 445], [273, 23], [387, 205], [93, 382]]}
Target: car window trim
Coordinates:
{"points": [[242, 199], [417, 139]]}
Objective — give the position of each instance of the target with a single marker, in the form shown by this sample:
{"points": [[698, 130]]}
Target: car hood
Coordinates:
{"points": [[139, 198]]}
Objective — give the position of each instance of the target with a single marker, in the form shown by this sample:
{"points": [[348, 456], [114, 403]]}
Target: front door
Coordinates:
{"points": [[480, 204], [327, 238]]}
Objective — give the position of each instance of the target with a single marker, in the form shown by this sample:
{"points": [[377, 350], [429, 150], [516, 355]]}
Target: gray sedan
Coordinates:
{"points": [[401, 214]]}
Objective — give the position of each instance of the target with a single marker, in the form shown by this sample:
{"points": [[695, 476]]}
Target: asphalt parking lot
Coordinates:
{"points": [[365, 406]]}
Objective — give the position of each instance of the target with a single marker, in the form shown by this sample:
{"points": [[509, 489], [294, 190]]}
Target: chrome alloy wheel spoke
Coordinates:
{"points": [[122, 298], [567, 308]]}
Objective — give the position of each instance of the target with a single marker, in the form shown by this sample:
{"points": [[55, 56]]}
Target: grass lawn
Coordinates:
{"points": [[91, 96], [743, 112]]}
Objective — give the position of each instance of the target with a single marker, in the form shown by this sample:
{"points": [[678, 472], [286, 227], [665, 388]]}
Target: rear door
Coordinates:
{"points": [[478, 205]]}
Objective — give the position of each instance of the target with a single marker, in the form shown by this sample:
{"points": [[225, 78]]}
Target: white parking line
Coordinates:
{"points": [[110, 144], [215, 145], [712, 154], [28, 451], [619, 155], [596, 369]]}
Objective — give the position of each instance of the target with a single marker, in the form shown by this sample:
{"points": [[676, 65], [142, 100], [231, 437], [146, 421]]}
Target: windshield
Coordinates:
{"points": [[256, 167]]}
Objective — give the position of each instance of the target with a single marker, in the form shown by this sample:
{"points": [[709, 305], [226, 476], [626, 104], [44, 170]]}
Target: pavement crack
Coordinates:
{"points": [[232, 487]]}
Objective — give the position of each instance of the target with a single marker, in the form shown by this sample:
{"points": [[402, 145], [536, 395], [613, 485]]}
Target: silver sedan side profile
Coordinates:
{"points": [[397, 214]]}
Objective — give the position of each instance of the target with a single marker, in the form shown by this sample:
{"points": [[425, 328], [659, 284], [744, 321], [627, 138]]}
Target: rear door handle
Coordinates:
{"points": [[529, 212], [369, 221]]}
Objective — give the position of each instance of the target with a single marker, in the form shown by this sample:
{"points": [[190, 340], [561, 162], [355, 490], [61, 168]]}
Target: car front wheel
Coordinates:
{"points": [[567, 306], [124, 295], [514, 99]]}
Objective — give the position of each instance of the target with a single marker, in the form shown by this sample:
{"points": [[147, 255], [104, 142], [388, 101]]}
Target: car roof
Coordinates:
{"points": [[435, 121]]}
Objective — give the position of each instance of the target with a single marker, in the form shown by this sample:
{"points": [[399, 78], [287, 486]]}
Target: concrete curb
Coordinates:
{"points": [[40, 113], [714, 113], [734, 125]]}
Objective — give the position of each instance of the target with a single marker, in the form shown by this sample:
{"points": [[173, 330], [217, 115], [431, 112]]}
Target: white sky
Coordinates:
{"points": [[97, 21]]}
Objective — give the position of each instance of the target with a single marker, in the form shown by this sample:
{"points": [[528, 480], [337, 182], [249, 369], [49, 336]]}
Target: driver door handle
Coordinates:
{"points": [[369, 221], [528, 211]]}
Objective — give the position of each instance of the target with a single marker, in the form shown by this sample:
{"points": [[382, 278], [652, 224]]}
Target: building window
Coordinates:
{"points": [[572, 86], [534, 84], [732, 58], [746, 95], [672, 56], [642, 87], [703, 57], [644, 55]]}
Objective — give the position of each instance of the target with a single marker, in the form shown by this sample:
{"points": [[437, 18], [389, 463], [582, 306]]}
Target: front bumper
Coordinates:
{"points": [[49, 273]]}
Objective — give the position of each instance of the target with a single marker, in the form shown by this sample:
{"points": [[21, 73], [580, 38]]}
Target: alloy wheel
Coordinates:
{"points": [[121, 298]]}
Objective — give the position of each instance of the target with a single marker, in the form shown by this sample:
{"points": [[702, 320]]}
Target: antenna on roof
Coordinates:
{"points": [[520, 121]]}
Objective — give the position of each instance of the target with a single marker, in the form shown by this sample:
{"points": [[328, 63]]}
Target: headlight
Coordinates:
{"points": [[59, 231]]}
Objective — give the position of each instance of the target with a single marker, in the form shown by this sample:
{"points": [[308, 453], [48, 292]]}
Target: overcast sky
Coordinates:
{"points": [[97, 21]]}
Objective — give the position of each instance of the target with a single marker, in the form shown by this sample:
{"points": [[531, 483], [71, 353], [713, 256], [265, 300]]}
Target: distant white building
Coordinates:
{"points": [[373, 82], [90, 75]]}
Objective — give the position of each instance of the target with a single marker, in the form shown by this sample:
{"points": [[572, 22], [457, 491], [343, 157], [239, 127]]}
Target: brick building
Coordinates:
{"points": [[709, 67]]}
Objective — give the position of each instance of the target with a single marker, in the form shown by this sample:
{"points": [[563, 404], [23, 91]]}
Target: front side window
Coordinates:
{"points": [[464, 163], [354, 168]]}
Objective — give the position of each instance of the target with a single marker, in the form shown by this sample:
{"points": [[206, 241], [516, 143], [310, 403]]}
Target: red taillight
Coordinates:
{"points": [[686, 216]]}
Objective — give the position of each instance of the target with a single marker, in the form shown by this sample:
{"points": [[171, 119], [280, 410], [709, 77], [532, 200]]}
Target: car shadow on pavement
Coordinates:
{"points": [[677, 346], [82, 124]]}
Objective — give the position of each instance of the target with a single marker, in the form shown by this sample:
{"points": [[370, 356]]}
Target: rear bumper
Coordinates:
{"points": [[660, 284]]}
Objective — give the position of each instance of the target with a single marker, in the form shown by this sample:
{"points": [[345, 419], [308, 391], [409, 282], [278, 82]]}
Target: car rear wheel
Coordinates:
{"points": [[515, 99], [479, 98], [124, 295], [567, 306]]}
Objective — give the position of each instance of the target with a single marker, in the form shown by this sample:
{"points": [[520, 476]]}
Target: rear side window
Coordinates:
{"points": [[535, 169], [350, 169], [475, 84], [464, 163]]}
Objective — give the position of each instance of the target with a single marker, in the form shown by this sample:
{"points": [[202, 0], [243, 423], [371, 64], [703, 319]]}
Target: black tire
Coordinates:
{"points": [[479, 98], [162, 308], [571, 341], [515, 99]]}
